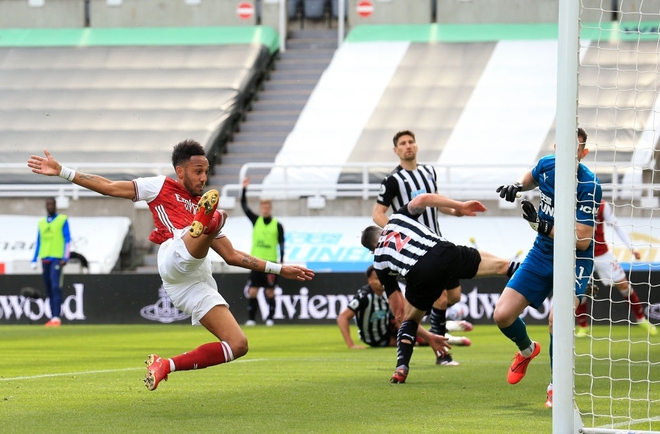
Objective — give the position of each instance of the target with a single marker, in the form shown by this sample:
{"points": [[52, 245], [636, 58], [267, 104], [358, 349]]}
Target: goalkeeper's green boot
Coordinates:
{"points": [[646, 325], [582, 332]]}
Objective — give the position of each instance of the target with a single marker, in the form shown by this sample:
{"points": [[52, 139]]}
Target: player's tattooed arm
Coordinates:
{"points": [[250, 262]]}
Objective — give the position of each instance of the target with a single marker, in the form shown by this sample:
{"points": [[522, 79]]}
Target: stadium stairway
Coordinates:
{"points": [[276, 106]]}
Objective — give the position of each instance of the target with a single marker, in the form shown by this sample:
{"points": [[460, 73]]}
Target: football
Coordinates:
{"points": [[458, 312]]}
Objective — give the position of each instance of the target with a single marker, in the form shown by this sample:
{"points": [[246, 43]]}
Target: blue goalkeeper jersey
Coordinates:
{"points": [[589, 194]]}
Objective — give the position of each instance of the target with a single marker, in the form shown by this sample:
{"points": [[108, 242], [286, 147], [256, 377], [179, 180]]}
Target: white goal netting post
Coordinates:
{"points": [[616, 366]]}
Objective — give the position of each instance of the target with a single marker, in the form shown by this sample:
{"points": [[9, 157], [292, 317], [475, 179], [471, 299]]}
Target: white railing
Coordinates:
{"points": [[462, 182], [466, 181]]}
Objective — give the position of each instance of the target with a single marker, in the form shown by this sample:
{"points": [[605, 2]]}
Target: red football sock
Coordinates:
{"points": [[581, 315], [635, 305], [205, 355]]}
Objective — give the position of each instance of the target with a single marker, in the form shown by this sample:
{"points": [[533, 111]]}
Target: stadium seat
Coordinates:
{"points": [[335, 8], [294, 6], [314, 9]]}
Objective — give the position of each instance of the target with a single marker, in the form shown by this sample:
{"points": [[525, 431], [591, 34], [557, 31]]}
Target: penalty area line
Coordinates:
{"points": [[101, 371]]}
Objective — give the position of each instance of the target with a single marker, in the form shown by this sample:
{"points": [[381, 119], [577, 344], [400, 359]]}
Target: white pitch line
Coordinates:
{"points": [[103, 371]]}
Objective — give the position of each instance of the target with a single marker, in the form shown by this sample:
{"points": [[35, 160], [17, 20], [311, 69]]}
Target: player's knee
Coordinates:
{"points": [[239, 347], [500, 318]]}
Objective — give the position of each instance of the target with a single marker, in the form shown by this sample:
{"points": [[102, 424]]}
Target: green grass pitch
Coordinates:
{"points": [[295, 379]]}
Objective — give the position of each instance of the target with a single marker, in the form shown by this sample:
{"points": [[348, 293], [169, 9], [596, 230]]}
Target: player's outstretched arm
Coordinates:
{"points": [[224, 248], [48, 166], [510, 192], [443, 203], [379, 215], [296, 272]]}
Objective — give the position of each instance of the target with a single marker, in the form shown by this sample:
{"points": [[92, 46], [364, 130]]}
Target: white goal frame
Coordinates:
{"points": [[565, 415]]}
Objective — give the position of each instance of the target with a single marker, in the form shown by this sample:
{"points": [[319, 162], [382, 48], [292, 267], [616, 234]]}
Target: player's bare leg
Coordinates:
{"points": [[198, 247]]}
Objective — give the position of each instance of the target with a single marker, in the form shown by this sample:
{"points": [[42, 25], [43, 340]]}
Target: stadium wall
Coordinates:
{"points": [[140, 299]]}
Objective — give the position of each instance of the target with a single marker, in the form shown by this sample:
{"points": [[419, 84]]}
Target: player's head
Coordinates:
{"points": [[399, 134], [191, 166], [266, 208], [373, 281], [51, 206], [582, 150], [370, 237], [405, 145]]}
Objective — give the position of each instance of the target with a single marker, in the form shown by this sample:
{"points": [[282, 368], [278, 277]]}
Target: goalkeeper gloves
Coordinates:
{"points": [[529, 213], [509, 192]]}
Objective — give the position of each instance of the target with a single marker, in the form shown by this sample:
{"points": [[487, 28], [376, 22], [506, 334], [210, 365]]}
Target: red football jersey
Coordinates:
{"points": [[172, 207], [600, 245]]}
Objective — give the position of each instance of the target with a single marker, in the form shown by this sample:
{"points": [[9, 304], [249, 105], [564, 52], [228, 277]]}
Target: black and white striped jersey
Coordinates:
{"points": [[403, 242], [401, 186], [372, 315]]}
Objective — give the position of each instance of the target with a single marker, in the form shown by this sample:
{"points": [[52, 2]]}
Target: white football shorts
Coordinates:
{"points": [[187, 280], [608, 269]]}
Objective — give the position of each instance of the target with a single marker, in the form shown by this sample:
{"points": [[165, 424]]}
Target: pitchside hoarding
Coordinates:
{"points": [[140, 299]]}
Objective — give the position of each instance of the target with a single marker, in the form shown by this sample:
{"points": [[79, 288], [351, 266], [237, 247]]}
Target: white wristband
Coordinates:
{"points": [[67, 173], [272, 268]]}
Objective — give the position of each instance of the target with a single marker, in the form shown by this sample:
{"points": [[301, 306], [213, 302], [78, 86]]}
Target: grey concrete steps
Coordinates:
{"points": [[272, 115], [311, 43], [248, 148], [240, 159], [286, 76], [268, 126], [277, 106], [257, 137], [291, 84], [283, 95], [310, 55], [300, 65]]}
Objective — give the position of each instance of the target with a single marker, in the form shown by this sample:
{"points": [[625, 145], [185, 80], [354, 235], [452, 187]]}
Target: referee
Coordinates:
{"points": [[372, 315], [407, 181]]}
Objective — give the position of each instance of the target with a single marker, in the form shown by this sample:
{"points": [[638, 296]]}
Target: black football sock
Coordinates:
{"points": [[438, 321], [405, 342], [253, 307], [271, 307]]}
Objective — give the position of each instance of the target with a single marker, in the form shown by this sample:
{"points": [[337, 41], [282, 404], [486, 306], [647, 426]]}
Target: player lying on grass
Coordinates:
{"points": [[186, 227], [425, 260]]}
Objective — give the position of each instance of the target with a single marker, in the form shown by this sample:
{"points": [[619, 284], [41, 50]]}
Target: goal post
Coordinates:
{"points": [[608, 82], [565, 195]]}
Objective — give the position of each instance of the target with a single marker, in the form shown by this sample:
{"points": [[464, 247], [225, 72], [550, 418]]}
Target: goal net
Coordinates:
{"points": [[617, 359]]}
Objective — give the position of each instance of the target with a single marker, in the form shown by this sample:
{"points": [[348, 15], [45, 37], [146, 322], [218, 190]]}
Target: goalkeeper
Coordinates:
{"points": [[533, 281]]}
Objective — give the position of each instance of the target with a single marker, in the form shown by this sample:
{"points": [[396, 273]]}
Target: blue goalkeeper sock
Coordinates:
{"points": [[517, 332]]}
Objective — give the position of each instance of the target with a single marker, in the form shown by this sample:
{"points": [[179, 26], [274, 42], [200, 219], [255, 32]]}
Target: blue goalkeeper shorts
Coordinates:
{"points": [[534, 279]]}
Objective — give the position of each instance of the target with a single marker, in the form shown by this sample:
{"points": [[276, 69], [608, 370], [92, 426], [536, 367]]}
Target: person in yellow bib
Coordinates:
{"points": [[53, 248], [267, 244]]}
